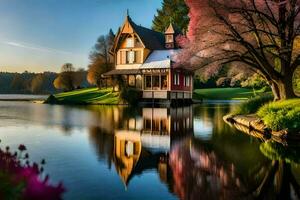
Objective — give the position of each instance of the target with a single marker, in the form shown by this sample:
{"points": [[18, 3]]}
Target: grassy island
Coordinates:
{"points": [[89, 96]]}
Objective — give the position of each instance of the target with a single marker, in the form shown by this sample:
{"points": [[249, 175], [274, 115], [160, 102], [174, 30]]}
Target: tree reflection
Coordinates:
{"points": [[225, 167], [278, 181], [199, 173]]}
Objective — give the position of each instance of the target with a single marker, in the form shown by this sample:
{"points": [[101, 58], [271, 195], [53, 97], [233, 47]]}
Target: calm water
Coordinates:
{"points": [[149, 153], [22, 97]]}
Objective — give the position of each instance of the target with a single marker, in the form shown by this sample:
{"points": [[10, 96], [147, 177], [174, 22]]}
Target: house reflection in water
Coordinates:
{"points": [[146, 142]]}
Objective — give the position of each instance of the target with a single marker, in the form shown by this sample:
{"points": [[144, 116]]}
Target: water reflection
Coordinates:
{"points": [[193, 157], [141, 141], [278, 179], [151, 153], [199, 171]]}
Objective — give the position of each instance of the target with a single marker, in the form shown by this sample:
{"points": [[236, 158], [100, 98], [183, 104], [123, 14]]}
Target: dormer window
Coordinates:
{"points": [[130, 42]]}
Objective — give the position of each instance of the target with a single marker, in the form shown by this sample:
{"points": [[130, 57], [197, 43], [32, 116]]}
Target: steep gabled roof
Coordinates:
{"points": [[151, 39]]}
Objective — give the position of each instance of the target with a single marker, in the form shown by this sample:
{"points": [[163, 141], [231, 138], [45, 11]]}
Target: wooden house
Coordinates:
{"points": [[146, 60]]}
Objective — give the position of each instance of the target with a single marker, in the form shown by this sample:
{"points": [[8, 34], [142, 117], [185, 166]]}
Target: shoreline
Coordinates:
{"points": [[254, 126]]}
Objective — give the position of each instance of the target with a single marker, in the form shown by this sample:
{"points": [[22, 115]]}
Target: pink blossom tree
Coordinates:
{"points": [[259, 34]]}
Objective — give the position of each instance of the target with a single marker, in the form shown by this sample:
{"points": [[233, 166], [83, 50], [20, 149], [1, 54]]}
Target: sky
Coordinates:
{"points": [[42, 35]]}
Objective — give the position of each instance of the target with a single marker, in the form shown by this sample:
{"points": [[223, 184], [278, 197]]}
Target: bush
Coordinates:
{"points": [[237, 80], [281, 115], [130, 95], [252, 105], [223, 82]]}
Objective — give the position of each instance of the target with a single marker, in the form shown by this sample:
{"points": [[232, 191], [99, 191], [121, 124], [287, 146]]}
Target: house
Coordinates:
{"points": [[146, 60], [145, 141]]}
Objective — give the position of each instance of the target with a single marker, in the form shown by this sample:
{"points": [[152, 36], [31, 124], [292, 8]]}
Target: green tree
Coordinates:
{"points": [[175, 11], [101, 60]]}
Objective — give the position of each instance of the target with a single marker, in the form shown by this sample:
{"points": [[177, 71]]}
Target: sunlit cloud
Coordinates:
{"points": [[34, 47]]}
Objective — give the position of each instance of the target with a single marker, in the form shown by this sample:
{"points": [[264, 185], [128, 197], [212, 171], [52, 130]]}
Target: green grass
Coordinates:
{"points": [[88, 96], [226, 93], [252, 105], [106, 96], [281, 115]]}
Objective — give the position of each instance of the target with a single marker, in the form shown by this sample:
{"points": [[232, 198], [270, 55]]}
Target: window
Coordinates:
{"points": [[155, 82], [169, 38], [131, 80], [187, 81], [147, 124], [164, 82], [163, 125], [129, 148], [155, 124], [130, 55], [148, 82], [129, 42], [176, 79], [139, 82]]}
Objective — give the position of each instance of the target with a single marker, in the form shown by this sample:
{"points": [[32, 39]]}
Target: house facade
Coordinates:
{"points": [[146, 60]]}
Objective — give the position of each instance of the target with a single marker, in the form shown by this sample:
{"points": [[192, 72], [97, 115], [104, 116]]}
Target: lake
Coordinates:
{"points": [[114, 152]]}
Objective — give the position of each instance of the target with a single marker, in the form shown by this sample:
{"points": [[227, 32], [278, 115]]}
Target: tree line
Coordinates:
{"points": [[27, 82], [237, 44], [41, 83]]}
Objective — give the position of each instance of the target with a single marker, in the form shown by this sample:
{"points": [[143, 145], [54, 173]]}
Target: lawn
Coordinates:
{"points": [[107, 96], [226, 93], [88, 96]]}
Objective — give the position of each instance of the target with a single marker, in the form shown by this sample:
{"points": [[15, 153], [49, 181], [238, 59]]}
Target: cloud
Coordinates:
{"points": [[34, 47]]}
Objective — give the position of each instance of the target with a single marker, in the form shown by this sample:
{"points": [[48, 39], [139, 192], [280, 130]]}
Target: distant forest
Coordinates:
{"points": [[30, 83]]}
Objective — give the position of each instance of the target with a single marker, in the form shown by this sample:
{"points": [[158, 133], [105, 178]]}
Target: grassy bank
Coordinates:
{"points": [[226, 93], [278, 116], [281, 115], [107, 96], [88, 96]]}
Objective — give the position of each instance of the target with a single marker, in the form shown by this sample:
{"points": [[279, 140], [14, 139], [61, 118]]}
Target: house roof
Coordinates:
{"points": [[160, 59], [173, 29], [122, 72], [152, 40]]}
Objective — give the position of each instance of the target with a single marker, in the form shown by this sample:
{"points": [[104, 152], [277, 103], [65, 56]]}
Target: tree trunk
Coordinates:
{"points": [[275, 91], [285, 87]]}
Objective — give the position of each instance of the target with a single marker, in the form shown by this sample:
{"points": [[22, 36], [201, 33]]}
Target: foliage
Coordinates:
{"points": [[297, 80], [26, 82], [175, 11], [88, 96], [130, 95], [69, 79], [225, 93], [207, 77], [255, 81], [281, 115], [100, 58], [252, 105], [276, 151], [260, 35], [223, 82], [20, 179]]}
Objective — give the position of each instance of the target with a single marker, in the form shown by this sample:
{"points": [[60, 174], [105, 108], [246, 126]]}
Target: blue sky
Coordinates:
{"points": [[41, 35]]}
